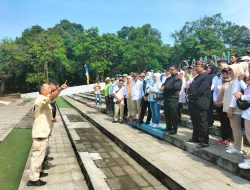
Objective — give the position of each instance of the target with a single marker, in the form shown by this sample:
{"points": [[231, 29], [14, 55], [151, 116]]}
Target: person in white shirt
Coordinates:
{"points": [[246, 116], [233, 113], [119, 95], [137, 92]]}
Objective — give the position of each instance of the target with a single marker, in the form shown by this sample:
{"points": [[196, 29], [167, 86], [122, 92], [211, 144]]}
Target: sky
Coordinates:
{"points": [[110, 16]]}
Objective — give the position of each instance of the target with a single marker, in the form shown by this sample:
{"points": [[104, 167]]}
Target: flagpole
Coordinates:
{"points": [[86, 73]]}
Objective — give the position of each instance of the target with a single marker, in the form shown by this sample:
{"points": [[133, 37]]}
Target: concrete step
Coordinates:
{"points": [[92, 94], [90, 98], [185, 121], [168, 163], [215, 153]]}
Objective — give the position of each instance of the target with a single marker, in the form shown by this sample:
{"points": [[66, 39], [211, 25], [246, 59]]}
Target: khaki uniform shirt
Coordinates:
{"points": [[43, 117]]}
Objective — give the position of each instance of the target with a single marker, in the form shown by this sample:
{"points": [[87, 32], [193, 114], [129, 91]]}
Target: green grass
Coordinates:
{"points": [[28, 99], [14, 152], [61, 103]]}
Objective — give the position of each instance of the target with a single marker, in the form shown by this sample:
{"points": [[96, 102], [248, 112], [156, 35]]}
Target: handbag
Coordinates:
{"points": [[242, 104], [158, 96]]}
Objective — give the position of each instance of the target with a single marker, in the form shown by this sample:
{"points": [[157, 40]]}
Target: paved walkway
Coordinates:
{"points": [[186, 169], [11, 115], [65, 172]]}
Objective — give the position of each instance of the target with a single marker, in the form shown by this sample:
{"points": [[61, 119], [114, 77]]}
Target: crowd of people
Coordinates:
{"points": [[205, 88]]}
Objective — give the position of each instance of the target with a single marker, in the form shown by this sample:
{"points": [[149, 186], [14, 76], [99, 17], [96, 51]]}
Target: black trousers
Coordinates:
{"points": [[211, 112], [171, 114], [53, 105], [200, 124], [180, 107], [107, 103], [226, 130], [125, 107], [144, 106], [111, 104]]}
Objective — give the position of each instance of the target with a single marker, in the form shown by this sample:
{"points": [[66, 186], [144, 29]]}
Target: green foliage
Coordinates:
{"points": [[208, 36], [62, 51]]}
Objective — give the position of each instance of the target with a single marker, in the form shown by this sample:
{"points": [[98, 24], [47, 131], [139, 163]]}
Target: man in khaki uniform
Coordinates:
{"points": [[41, 130]]}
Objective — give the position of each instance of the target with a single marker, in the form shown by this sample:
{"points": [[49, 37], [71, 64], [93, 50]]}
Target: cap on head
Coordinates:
{"points": [[107, 78], [245, 58]]}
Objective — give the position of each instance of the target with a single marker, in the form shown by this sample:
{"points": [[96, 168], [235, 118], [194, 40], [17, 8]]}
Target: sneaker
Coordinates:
{"points": [[230, 145], [154, 125], [219, 141], [36, 183], [225, 142], [114, 121], [233, 150], [245, 165], [121, 121]]}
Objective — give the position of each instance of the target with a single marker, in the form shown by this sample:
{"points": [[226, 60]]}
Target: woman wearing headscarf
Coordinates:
{"points": [[230, 106], [155, 105], [221, 85]]}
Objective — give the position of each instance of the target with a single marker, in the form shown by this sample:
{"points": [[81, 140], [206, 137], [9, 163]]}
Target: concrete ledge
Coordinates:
{"points": [[214, 154], [185, 122]]}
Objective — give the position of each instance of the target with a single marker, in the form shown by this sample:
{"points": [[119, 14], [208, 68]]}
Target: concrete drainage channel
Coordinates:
{"points": [[103, 163]]}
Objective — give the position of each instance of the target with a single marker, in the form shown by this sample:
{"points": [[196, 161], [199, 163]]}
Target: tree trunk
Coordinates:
{"points": [[46, 71], [97, 76], [2, 87]]}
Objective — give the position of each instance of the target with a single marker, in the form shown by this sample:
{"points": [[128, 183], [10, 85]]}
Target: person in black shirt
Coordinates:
{"points": [[171, 89], [199, 95]]}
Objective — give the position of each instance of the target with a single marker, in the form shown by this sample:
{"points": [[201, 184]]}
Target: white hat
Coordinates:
{"points": [[107, 78], [245, 58]]}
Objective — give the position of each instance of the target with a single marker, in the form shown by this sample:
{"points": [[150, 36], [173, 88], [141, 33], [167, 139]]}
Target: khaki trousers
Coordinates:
{"points": [[235, 123], [39, 147], [119, 108], [247, 132], [136, 108]]}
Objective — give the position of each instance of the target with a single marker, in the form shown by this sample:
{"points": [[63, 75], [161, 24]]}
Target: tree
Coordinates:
{"points": [[12, 57], [46, 56]]}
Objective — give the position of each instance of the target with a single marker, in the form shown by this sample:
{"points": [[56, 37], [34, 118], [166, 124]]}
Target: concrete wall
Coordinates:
{"points": [[68, 91]]}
